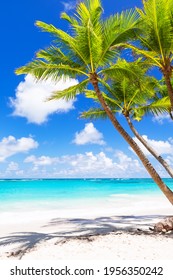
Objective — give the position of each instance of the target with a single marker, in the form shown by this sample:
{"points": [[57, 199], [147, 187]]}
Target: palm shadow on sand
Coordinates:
{"points": [[77, 228]]}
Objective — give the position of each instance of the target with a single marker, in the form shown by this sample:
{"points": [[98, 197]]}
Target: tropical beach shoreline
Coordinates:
{"points": [[88, 230], [70, 189]]}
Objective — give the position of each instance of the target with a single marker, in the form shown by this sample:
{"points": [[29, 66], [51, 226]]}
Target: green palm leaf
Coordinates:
{"points": [[42, 70], [70, 19], [71, 92], [94, 114], [117, 29], [65, 40], [122, 68], [157, 25], [56, 56], [156, 38], [157, 107]]}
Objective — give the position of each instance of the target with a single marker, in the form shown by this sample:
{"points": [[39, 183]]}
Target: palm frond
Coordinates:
{"points": [[157, 26], [73, 22], [162, 90], [95, 113], [55, 55], [90, 94], [117, 29], [151, 56], [157, 107], [42, 70], [89, 31], [89, 9], [122, 68], [64, 40], [108, 89], [71, 92], [111, 102], [128, 27]]}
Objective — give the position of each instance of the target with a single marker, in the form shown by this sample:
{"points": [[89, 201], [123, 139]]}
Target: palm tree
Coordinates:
{"points": [[134, 98], [155, 43], [163, 95], [86, 54]]}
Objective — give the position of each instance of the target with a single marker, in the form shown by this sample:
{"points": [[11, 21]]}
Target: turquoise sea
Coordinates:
{"points": [[46, 192], [27, 202]]}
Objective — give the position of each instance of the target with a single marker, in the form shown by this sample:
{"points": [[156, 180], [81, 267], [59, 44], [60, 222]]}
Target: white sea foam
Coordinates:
{"points": [[122, 195]]}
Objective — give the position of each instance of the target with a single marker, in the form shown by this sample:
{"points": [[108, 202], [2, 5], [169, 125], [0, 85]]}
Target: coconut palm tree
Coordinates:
{"points": [[134, 98], [155, 43], [163, 95], [86, 53]]}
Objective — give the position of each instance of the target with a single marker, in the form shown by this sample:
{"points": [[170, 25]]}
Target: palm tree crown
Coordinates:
{"points": [[89, 53], [87, 50], [134, 98], [155, 43]]}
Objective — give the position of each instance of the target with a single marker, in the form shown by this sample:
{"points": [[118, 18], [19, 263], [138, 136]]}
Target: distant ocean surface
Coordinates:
{"points": [[24, 201], [46, 192]]}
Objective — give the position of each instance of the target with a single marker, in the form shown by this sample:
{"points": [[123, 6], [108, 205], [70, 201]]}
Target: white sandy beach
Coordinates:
{"points": [[93, 231]]}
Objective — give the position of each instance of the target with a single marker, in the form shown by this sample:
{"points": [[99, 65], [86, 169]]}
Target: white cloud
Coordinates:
{"points": [[20, 173], [31, 99], [161, 118], [161, 147], [169, 159], [89, 135], [13, 166], [13, 170], [10, 146], [40, 161], [68, 6], [87, 165], [100, 165], [126, 162]]}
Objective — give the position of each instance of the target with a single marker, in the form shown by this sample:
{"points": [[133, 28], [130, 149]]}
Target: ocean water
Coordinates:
{"points": [[49, 191], [34, 201], [46, 189]]}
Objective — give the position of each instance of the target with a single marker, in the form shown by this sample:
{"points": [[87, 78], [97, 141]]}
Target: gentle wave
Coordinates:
{"points": [[28, 190], [121, 195]]}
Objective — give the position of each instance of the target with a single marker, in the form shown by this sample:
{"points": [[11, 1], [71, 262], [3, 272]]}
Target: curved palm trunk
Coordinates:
{"points": [[149, 148], [171, 116], [167, 75], [164, 188]]}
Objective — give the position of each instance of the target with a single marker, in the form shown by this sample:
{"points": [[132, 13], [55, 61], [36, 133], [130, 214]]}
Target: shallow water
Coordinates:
{"points": [[72, 193]]}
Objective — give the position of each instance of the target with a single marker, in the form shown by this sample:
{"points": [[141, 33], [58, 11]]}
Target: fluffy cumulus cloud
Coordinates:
{"points": [[161, 118], [101, 165], [10, 146], [31, 99], [125, 162], [13, 166], [68, 5], [169, 159], [160, 146], [89, 135], [86, 165], [40, 161]]}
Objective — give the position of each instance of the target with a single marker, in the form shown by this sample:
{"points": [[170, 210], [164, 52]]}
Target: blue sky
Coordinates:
{"points": [[38, 139]]}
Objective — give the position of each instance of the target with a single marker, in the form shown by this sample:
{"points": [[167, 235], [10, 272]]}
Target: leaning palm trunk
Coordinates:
{"points": [[149, 148], [164, 188], [171, 115], [167, 76]]}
